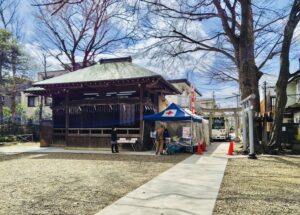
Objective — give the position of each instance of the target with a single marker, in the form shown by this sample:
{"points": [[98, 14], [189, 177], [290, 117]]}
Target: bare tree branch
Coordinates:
{"points": [[84, 30], [9, 17], [272, 53], [59, 3]]}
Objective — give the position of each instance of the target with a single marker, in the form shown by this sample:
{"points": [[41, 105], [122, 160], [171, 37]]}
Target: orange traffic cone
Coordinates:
{"points": [[203, 146], [199, 149], [230, 149]]}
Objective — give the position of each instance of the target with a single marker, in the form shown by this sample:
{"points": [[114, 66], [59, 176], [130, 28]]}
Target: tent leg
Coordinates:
{"points": [[192, 149]]}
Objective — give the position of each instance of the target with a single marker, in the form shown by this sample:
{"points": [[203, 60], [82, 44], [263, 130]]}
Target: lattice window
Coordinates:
{"points": [[31, 101], [127, 115]]}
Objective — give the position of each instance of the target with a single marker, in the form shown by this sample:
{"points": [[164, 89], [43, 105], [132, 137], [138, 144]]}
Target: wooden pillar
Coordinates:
{"points": [[66, 118], [141, 115]]}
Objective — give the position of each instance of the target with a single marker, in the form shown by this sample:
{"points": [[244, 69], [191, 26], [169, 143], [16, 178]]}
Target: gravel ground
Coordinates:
{"points": [[68, 184], [268, 185]]}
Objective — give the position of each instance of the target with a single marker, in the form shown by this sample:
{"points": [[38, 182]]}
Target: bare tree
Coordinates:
{"points": [[84, 30], [43, 56], [10, 19], [284, 75], [244, 32]]}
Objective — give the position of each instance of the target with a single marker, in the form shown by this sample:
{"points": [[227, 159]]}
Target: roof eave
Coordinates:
{"points": [[183, 80], [172, 88], [94, 82], [296, 75]]}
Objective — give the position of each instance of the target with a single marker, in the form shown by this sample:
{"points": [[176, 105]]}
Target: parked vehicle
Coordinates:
{"points": [[219, 131]]}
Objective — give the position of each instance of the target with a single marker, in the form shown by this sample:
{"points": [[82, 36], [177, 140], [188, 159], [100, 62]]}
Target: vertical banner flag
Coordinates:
{"points": [[193, 99]]}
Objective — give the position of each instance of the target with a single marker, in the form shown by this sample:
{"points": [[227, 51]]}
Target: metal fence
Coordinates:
{"points": [[291, 136], [13, 132]]}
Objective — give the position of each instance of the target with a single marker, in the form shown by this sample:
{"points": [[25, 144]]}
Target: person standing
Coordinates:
{"points": [[160, 139], [114, 142]]}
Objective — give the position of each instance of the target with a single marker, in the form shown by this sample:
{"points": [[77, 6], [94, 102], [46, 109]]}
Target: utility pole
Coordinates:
{"points": [[265, 94], [236, 117], [214, 99]]}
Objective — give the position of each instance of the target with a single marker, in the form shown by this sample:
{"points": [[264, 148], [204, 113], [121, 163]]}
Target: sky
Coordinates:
{"points": [[222, 91]]}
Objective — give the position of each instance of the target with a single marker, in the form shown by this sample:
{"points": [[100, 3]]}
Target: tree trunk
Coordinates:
{"points": [[248, 72], [14, 88], [45, 66], [281, 99], [1, 102], [41, 110], [284, 75]]}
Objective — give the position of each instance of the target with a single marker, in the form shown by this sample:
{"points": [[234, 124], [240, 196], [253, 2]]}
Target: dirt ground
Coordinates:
{"points": [[268, 185], [73, 183]]}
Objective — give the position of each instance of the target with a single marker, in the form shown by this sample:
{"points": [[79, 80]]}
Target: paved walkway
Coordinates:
{"points": [[190, 187]]}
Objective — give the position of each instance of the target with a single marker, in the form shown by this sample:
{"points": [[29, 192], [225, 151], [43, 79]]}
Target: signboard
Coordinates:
{"points": [[186, 132], [153, 134]]}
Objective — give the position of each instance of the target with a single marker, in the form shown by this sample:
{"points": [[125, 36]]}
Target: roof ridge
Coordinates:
{"points": [[101, 72]]}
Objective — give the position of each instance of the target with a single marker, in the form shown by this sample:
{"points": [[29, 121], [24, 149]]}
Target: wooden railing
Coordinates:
{"points": [[97, 132]]}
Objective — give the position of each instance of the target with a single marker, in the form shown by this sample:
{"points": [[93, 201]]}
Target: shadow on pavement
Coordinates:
{"points": [[113, 157]]}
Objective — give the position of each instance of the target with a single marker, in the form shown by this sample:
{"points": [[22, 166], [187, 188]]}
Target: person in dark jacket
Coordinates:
{"points": [[114, 143], [166, 135]]}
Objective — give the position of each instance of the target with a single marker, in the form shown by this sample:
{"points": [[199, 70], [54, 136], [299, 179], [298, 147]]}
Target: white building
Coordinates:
{"points": [[292, 113], [31, 103], [185, 87]]}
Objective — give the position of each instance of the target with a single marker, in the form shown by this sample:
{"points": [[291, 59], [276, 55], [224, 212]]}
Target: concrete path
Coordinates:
{"points": [[190, 187]]}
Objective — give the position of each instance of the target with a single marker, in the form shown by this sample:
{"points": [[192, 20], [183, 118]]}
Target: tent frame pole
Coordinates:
{"points": [[192, 135]]}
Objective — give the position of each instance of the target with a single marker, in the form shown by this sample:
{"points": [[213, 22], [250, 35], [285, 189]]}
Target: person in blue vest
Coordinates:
{"points": [[114, 141]]}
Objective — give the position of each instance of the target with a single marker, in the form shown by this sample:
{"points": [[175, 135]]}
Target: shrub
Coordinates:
{"points": [[8, 138]]}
